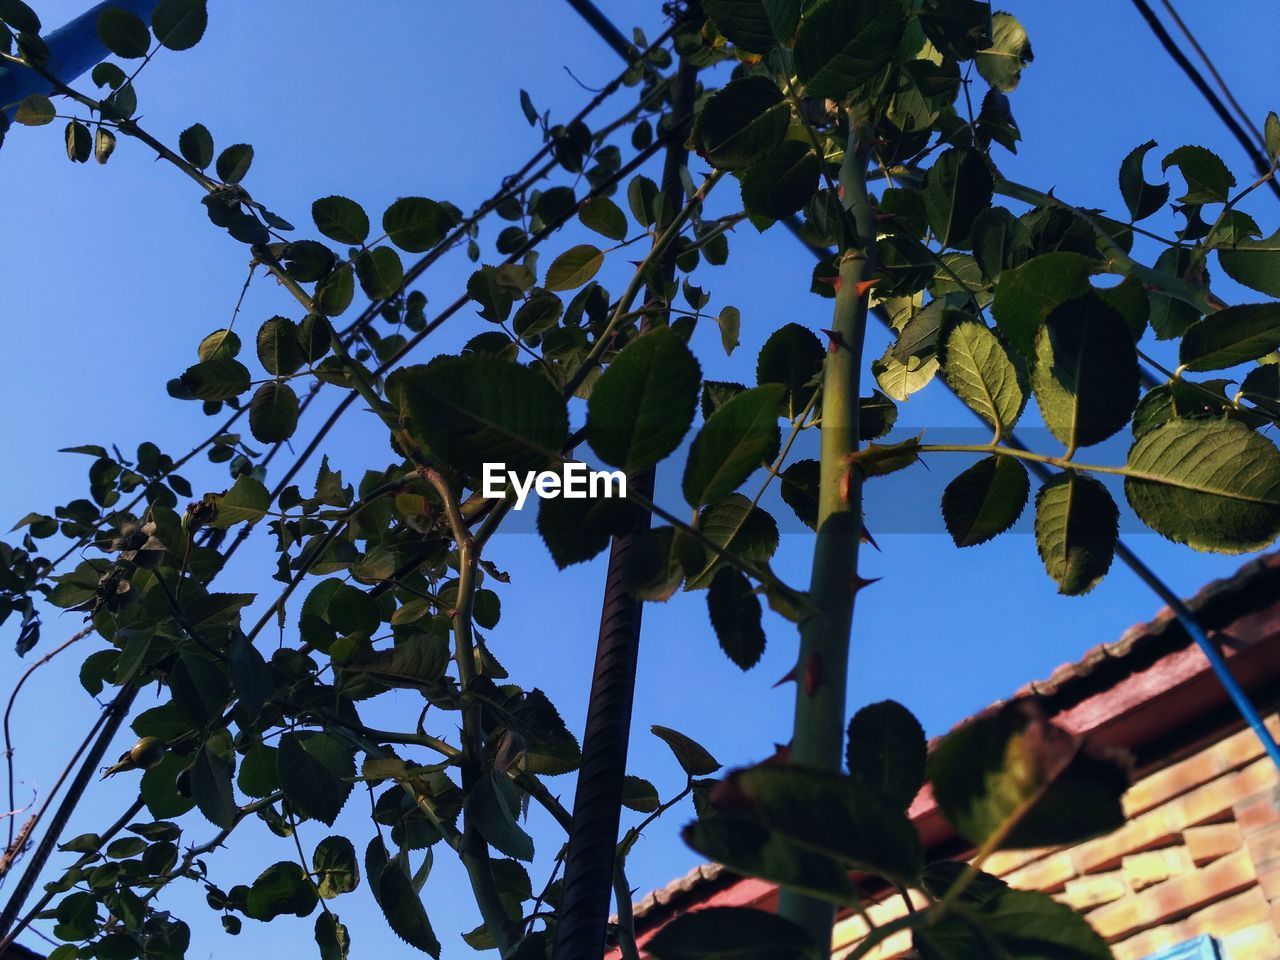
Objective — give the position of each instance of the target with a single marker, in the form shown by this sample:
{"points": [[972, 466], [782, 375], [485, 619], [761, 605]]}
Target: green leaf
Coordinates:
{"points": [[1211, 484], [1002, 63], [639, 794], [782, 182], [750, 850], [604, 217], [489, 807], [735, 616], [899, 378], [1015, 776], [1142, 198], [416, 224], [196, 145], [341, 219], [756, 26], [978, 368], [1254, 263], [1000, 241], [257, 776], [234, 162], [1271, 134], [1086, 372], [219, 344], [216, 379], [279, 348], [246, 502], [395, 893], [733, 524], [250, 675], [179, 24], [211, 786], [334, 867], [79, 142], [273, 412], [827, 813], [475, 409], [104, 144], [418, 661], [123, 33], [575, 530], [336, 291], [691, 755], [729, 320], [380, 272], [886, 747], [35, 110], [1076, 529], [643, 404], [1231, 336], [658, 562], [741, 123], [1129, 299], [957, 188], [1262, 388], [1017, 923], [1025, 296], [20, 16], [793, 357], [844, 43], [279, 890], [575, 267], [1208, 179], [315, 773], [985, 500], [800, 490], [732, 443], [731, 933], [332, 937]]}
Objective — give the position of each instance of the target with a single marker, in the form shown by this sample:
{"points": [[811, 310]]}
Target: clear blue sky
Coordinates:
{"points": [[114, 274]]}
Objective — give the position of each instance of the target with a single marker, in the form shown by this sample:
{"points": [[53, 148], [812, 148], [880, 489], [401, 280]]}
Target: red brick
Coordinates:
{"points": [[1212, 841], [1239, 912], [1142, 870], [1257, 942], [1048, 875], [1085, 893], [1146, 832], [1174, 897], [1264, 844], [1222, 757], [1259, 810]]}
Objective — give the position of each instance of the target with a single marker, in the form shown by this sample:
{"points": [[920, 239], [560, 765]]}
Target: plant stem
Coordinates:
{"points": [[822, 670]]}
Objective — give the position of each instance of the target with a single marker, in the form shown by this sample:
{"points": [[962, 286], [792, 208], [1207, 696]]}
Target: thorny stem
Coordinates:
{"points": [[825, 635]]}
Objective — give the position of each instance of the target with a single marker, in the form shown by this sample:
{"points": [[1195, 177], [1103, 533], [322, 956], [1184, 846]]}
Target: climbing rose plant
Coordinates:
{"points": [[875, 128]]}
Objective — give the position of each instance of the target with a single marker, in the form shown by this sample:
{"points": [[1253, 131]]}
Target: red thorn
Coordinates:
{"points": [[790, 677], [812, 674], [835, 339], [886, 217], [831, 281], [857, 583], [863, 288], [868, 538], [781, 756]]}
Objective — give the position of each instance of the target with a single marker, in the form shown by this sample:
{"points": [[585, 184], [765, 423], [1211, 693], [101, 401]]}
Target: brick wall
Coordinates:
{"points": [[1200, 853]]}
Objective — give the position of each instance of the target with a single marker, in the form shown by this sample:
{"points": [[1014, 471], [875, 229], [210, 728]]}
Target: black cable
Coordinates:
{"points": [[1197, 78]]}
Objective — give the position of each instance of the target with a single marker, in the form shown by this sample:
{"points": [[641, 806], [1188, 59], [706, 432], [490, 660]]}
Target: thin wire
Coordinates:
{"points": [[1245, 121], [1197, 78]]}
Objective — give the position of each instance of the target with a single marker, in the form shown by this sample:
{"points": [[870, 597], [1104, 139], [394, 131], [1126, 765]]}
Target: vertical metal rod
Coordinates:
{"points": [[597, 803]]}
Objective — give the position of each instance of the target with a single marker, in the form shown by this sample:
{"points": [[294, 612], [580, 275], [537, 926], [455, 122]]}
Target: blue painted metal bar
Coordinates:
{"points": [[74, 49], [1207, 646]]}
